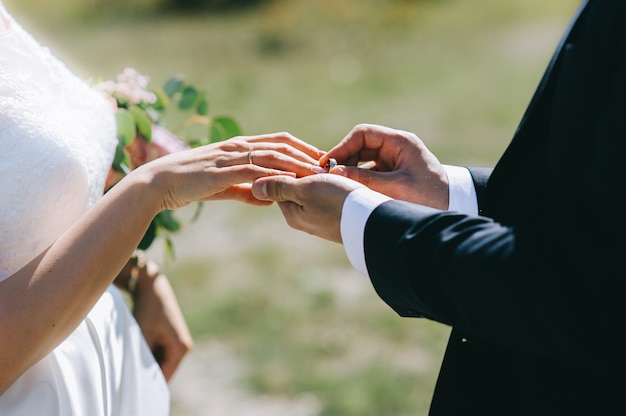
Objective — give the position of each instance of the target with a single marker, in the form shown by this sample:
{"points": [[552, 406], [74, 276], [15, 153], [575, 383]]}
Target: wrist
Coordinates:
{"points": [[134, 269], [150, 183]]}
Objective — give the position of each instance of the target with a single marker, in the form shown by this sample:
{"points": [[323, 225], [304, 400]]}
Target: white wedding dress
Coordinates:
{"points": [[57, 140]]}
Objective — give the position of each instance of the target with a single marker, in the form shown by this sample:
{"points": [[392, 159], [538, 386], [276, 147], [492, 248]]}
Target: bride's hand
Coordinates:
{"points": [[225, 170], [161, 321]]}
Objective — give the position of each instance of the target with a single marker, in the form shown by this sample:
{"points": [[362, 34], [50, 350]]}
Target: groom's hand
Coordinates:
{"points": [[393, 162], [312, 204]]}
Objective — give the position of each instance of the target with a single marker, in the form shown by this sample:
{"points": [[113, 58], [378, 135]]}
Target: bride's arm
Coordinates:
{"points": [[44, 302], [41, 304]]}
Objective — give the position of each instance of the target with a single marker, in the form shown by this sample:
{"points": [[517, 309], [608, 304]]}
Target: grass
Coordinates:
{"points": [[458, 73]]}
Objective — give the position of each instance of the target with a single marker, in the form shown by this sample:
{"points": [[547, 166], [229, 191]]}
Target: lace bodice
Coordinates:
{"points": [[57, 140]]}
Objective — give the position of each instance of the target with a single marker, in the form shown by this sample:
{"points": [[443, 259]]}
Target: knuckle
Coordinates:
{"points": [[281, 190], [272, 155], [361, 127], [232, 145], [287, 135]]}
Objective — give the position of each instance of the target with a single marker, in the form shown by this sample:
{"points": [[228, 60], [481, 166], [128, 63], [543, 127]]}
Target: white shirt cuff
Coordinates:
{"points": [[462, 193], [356, 210], [361, 202]]}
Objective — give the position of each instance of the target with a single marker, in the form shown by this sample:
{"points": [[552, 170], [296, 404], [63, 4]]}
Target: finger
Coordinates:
{"points": [[370, 165], [285, 149], [350, 150], [286, 160], [272, 155], [240, 192], [370, 178], [286, 138], [237, 174], [274, 188]]}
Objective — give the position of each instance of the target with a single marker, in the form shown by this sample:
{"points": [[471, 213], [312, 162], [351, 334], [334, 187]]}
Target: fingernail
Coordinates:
{"points": [[260, 190], [339, 170], [318, 169]]}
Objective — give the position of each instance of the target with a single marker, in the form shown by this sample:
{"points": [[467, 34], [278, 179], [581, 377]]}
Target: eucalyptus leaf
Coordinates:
{"points": [[198, 211], [196, 142], [162, 99], [169, 248], [121, 160], [126, 127], [189, 98], [216, 134], [166, 220], [143, 122], [149, 236], [173, 85], [227, 125], [203, 106]]}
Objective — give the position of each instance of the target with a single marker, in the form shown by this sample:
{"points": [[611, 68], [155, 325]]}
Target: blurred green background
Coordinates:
{"points": [[283, 324]]}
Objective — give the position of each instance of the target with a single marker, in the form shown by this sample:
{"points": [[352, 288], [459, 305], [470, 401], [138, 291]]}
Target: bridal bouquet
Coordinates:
{"points": [[140, 115]]}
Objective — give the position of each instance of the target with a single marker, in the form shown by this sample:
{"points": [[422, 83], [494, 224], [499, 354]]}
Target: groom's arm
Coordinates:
{"points": [[465, 184]]}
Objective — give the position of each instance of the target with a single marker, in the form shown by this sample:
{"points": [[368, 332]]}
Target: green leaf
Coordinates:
{"points": [[169, 248], [166, 220], [189, 97], [121, 160], [149, 236], [215, 134], [143, 122], [227, 125], [203, 105], [198, 211], [126, 127], [173, 85], [162, 99], [195, 142]]}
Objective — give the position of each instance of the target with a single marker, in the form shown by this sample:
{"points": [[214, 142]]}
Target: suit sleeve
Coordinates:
{"points": [[484, 279]]}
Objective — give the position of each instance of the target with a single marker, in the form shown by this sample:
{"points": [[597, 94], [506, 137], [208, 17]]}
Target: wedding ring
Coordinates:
{"points": [[330, 164], [250, 160]]}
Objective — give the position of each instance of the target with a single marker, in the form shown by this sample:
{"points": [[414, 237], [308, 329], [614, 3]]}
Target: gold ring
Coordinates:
{"points": [[250, 160]]}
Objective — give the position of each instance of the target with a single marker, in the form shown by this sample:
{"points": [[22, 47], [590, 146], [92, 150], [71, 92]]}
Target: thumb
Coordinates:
{"points": [[273, 188]]}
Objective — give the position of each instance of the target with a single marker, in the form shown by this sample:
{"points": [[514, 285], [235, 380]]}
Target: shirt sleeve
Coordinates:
{"points": [[356, 210], [362, 201], [462, 193]]}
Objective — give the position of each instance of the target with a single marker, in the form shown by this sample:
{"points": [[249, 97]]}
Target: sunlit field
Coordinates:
{"points": [[283, 325]]}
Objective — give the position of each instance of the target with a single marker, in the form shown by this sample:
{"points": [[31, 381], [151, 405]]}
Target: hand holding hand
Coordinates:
{"points": [[225, 170], [397, 163], [312, 204]]}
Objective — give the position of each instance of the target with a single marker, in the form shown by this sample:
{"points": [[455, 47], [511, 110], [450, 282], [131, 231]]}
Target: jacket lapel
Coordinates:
{"points": [[532, 122], [553, 63]]}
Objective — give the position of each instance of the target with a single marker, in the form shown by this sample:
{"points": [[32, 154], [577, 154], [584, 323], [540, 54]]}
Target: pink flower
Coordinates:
{"points": [[167, 141], [163, 143], [141, 151], [130, 86]]}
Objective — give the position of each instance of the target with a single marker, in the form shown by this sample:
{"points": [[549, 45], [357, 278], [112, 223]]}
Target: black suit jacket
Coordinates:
{"points": [[534, 288]]}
